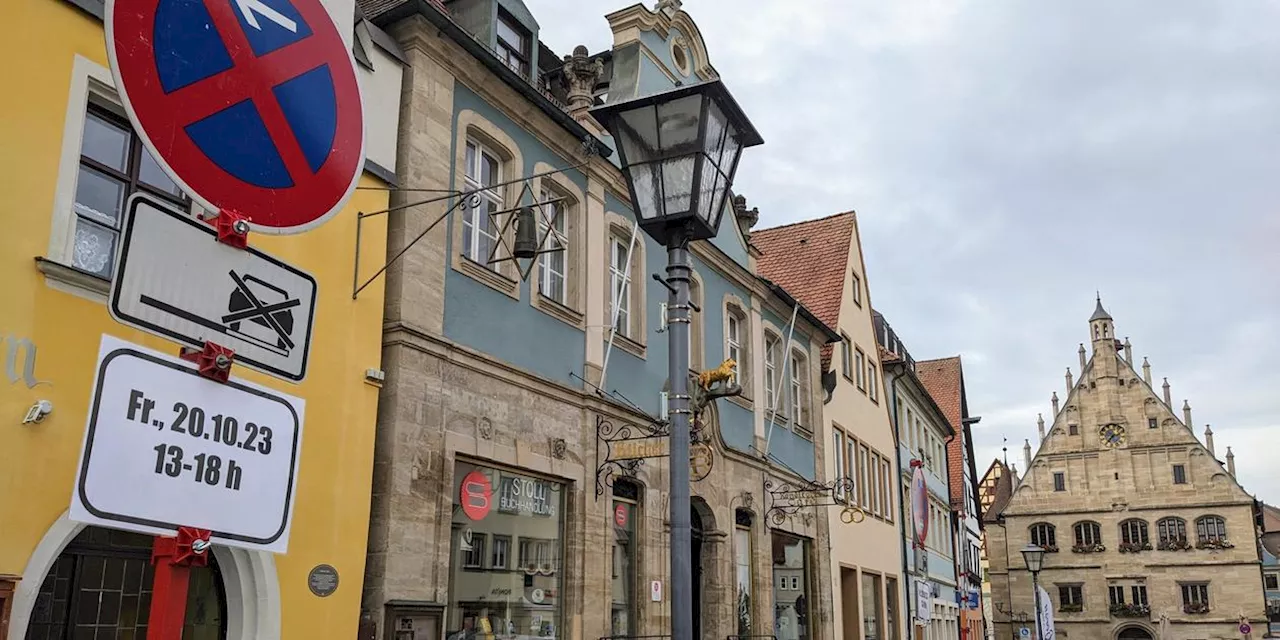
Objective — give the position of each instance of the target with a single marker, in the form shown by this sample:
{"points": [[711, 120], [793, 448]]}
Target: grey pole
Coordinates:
{"points": [[678, 275], [1035, 586]]}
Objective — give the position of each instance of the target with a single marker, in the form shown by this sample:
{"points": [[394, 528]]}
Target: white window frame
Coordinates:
{"points": [[859, 360], [620, 285], [871, 380], [795, 386], [733, 338], [559, 237], [478, 218], [771, 348], [837, 442]]}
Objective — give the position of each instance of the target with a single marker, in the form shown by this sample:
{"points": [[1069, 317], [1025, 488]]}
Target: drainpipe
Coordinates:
{"points": [[908, 602]]}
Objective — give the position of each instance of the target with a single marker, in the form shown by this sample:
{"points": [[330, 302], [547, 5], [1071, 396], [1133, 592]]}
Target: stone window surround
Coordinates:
{"points": [[1047, 530], [573, 214], [734, 305], [619, 227], [697, 343], [779, 409], [473, 125]]}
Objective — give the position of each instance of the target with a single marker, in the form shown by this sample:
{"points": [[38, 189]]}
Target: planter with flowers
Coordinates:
{"points": [[1130, 610], [1215, 544], [1196, 607], [1134, 547], [1176, 544], [1096, 547]]}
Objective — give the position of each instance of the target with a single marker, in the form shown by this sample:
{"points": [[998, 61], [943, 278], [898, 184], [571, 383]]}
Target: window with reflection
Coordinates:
{"points": [[1172, 532], [113, 165], [626, 559], [743, 576], [1044, 536], [791, 605], [506, 550], [1088, 534], [1211, 529]]}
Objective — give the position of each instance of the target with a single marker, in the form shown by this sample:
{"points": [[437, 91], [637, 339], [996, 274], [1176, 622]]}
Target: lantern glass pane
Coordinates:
{"points": [[678, 125], [644, 180], [728, 156], [639, 133], [711, 180], [677, 184]]}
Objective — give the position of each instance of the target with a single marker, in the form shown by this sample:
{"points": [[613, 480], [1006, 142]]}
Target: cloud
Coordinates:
{"points": [[1007, 159]]}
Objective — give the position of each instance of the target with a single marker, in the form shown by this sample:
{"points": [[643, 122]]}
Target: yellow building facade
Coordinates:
{"points": [[68, 156]]}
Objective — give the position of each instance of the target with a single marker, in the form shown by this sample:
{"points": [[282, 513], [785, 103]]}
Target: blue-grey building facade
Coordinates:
{"points": [[511, 495], [923, 432]]}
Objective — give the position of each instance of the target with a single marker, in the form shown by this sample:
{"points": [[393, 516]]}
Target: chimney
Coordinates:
{"points": [[1128, 351], [1082, 359], [1186, 414], [1026, 452], [1054, 400], [1071, 383], [1168, 398], [1146, 370], [1231, 462], [582, 74], [1208, 441], [1040, 424]]}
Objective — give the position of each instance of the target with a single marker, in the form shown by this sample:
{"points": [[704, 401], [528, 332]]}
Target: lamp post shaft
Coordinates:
{"points": [[1035, 588], [679, 414]]}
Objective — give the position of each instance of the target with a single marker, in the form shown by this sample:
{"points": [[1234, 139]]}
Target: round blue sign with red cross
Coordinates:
{"points": [[252, 106]]}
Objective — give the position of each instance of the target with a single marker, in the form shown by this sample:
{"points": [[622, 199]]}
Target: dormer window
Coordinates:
{"points": [[513, 44]]}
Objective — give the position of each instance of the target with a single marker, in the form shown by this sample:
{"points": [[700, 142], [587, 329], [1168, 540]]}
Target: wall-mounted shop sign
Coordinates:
{"points": [[19, 360], [655, 447], [521, 495]]}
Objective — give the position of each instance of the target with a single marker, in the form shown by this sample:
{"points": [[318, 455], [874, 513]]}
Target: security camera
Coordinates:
{"points": [[38, 411]]}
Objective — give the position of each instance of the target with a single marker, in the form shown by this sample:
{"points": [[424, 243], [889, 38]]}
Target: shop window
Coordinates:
{"points": [[522, 514], [625, 558], [742, 554], [791, 606], [100, 587], [871, 606]]}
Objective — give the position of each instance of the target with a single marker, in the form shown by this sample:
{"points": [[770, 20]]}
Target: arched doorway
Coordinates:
{"points": [[100, 585], [1134, 633]]}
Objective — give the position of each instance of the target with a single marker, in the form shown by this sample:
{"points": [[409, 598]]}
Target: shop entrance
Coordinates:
{"points": [[695, 522], [100, 586]]}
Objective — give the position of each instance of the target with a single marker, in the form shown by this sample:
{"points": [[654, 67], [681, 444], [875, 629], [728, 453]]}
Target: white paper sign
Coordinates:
{"points": [[165, 447], [655, 591], [924, 601]]}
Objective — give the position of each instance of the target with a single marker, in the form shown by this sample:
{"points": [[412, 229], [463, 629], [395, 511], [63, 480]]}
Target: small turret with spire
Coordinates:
{"points": [[1083, 357], [1146, 371], [1128, 351], [1054, 400], [1186, 414], [1102, 332], [1040, 424], [1026, 452], [1208, 440], [1168, 397], [1231, 462]]}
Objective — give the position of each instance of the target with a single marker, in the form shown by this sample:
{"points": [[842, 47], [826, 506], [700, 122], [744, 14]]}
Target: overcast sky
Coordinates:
{"points": [[1007, 159]]}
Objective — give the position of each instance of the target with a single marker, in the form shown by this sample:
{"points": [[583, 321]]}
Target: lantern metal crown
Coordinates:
{"points": [[679, 151]]}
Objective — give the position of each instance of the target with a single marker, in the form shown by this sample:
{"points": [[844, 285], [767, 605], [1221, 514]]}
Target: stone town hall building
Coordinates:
{"points": [[1140, 518]]}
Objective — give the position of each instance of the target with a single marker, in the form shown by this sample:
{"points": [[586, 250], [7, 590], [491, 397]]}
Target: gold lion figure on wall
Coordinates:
{"points": [[722, 373]]}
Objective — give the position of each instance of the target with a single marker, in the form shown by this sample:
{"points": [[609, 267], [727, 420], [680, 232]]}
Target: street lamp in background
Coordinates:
{"points": [[679, 151], [1033, 556]]}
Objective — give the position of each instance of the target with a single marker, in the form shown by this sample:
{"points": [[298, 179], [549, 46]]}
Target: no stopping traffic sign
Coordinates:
{"points": [[249, 105]]}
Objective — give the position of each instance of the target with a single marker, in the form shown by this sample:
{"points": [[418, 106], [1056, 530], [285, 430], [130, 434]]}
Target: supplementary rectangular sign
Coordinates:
{"points": [[174, 279], [165, 447]]}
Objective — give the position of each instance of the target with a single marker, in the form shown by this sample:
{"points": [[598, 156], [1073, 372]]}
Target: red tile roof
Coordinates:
{"points": [[809, 259], [942, 379]]}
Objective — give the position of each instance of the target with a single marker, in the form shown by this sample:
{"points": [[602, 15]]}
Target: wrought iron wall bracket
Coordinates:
{"points": [[785, 500], [607, 434]]}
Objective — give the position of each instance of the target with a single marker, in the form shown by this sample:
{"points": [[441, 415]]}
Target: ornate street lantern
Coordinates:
{"points": [[1034, 557], [679, 151]]}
